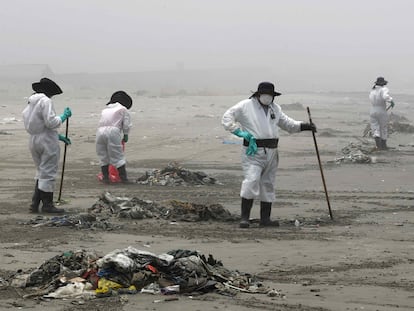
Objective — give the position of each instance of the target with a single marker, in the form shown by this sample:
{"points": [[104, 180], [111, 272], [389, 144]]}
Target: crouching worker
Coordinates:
{"points": [[113, 129], [257, 120], [41, 122]]}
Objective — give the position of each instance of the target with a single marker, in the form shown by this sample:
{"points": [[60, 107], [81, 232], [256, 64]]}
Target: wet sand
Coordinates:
{"points": [[362, 260]]}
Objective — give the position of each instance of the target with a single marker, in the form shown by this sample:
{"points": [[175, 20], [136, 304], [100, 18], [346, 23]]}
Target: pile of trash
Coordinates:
{"points": [[79, 221], [175, 175], [396, 123], [98, 216], [83, 274], [356, 153], [136, 208]]}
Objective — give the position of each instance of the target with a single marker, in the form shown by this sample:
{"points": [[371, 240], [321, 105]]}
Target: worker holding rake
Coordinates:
{"points": [[41, 122], [257, 120]]}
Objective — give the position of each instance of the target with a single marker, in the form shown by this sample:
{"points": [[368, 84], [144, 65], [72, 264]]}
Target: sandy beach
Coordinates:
{"points": [[363, 259]]}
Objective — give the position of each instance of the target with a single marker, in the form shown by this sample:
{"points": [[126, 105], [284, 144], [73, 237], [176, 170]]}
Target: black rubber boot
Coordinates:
{"points": [[34, 207], [123, 175], [105, 174], [265, 211], [246, 206], [384, 144], [48, 206]]}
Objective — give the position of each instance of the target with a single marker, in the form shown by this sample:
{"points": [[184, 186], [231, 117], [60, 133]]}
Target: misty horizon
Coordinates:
{"points": [[299, 44]]}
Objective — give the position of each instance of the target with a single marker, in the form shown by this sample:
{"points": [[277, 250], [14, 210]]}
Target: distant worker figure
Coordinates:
{"points": [[257, 120], [41, 122], [379, 97], [113, 129]]}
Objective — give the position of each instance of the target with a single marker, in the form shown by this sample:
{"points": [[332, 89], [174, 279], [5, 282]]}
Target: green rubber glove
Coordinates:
{"points": [[392, 104], [125, 139], [67, 113], [252, 149], [65, 139], [244, 134]]}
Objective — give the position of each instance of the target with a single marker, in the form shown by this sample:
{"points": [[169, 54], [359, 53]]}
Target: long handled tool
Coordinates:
{"points": [[320, 165], [64, 162]]}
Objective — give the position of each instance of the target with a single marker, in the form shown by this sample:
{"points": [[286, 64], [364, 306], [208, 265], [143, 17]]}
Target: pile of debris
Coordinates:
{"points": [[396, 123], [175, 175], [356, 153], [98, 216], [82, 274], [78, 221], [136, 208]]}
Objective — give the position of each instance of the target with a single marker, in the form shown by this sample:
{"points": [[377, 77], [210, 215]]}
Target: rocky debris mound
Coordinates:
{"points": [[396, 123], [136, 208], [83, 274], [356, 153], [175, 175]]}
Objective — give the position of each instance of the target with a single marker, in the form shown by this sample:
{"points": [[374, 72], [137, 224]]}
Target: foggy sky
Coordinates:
{"points": [[329, 39]]}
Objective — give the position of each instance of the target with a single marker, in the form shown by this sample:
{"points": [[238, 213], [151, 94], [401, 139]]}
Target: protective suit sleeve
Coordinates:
{"points": [[229, 119], [385, 95], [52, 121], [288, 124], [126, 123]]}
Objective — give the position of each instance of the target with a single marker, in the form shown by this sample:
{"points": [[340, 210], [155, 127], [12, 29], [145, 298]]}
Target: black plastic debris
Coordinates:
{"points": [[175, 175]]}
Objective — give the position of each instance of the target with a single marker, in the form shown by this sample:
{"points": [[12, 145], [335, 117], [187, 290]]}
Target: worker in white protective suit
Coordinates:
{"points": [[41, 122], [113, 129], [257, 121], [380, 97]]}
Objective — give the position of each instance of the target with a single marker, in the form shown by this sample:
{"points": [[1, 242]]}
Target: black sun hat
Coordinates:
{"points": [[121, 97], [266, 88], [381, 81], [46, 86]]}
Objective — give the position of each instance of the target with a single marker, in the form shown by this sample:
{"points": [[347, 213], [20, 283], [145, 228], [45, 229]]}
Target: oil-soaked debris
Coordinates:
{"points": [[136, 208], [175, 175], [356, 152], [78, 221], [103, 214], [396, 123], [85, 275]]}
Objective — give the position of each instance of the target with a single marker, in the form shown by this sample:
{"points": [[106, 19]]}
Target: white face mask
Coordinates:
{"points": [[265, 99]]}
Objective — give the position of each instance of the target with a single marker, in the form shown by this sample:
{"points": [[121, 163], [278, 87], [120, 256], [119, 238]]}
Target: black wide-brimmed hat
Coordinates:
{"points": [[266, 88], [381, 81], [121, 97], [46, 86]]}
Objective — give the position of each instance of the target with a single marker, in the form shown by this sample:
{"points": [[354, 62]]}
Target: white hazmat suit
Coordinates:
{"points": [[259, 170], [379, 97], [41, 122], [115, 121]]}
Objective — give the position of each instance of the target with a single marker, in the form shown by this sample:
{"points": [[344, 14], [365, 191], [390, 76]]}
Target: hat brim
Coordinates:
{"points": [[257, 93], [50, 87]]}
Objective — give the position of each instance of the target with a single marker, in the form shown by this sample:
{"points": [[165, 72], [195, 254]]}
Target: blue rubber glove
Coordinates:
{"points": [[65, 139], [252, 149], [125, 139], [244, 134], [67, 113]]}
